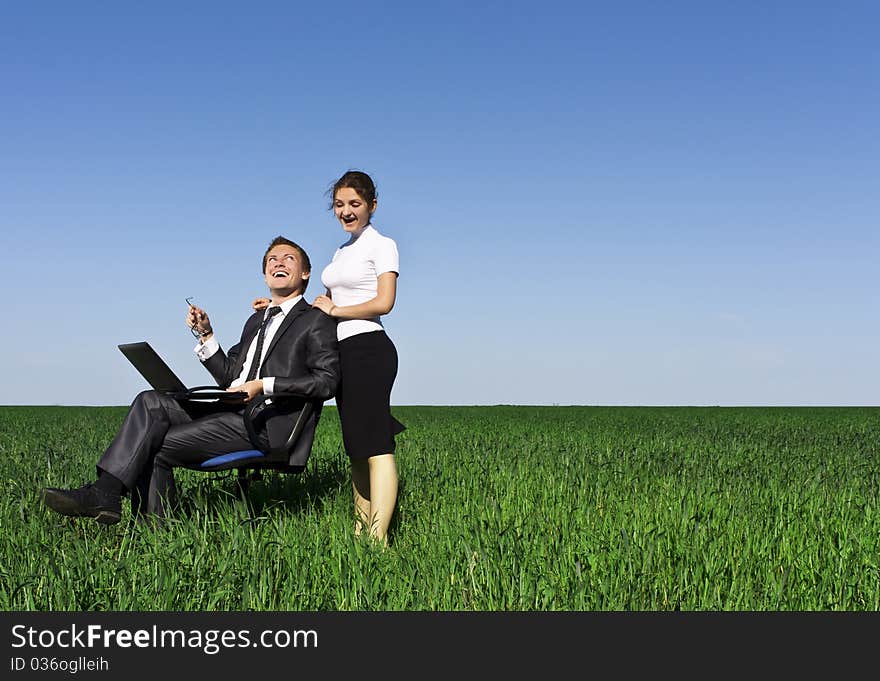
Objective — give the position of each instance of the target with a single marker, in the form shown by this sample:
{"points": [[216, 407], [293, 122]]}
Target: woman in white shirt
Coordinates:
{"points": [[361, 283]]}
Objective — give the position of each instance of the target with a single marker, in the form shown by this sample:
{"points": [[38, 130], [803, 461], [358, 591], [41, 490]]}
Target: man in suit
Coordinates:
{"points": [[287, 353]]}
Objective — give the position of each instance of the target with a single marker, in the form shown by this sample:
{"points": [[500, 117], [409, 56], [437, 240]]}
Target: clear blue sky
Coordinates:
{"points": [[629, 203]]}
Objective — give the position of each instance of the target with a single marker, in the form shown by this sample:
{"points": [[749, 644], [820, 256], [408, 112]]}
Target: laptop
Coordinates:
{"points": [[159, 375]]}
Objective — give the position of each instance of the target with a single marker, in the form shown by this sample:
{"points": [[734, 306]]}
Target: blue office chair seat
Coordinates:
{"points": [[233, 459], [250, 462]]}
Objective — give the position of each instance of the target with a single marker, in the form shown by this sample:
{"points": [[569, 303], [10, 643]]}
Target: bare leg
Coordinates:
{"points": [[383, 494]]}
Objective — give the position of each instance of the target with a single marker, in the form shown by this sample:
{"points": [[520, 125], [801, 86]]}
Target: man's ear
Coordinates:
{"points": [[305, 275]]}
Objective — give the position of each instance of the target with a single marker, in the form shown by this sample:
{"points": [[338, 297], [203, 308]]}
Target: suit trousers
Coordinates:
{"points": [[158, 434]]}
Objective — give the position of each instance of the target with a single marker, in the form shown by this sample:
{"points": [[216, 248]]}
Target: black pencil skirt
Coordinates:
{"points": [[368, 363]]}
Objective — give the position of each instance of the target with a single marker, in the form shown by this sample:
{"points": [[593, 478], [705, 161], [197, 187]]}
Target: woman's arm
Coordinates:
{"points": [[375, 307]]}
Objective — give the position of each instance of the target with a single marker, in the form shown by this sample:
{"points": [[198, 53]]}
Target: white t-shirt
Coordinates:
{"points": [[352, 277]]}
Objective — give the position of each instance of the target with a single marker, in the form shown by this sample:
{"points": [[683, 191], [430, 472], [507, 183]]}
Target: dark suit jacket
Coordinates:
{"points": [[304, 359]]}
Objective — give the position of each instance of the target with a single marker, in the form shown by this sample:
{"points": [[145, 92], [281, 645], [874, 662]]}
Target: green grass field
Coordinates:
{"points": [[500, 508]]}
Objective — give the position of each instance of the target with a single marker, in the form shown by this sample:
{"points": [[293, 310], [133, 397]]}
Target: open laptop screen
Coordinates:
{"points": [[152, 367], [160, 376]]}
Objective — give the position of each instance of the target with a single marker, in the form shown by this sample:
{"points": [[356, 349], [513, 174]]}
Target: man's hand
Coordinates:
{"points": [[252, 388], [260, 304], [197, 318]]}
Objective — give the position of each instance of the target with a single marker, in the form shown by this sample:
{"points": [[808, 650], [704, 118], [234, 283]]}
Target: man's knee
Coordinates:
{"points": [[149, 398], [156, 403]]}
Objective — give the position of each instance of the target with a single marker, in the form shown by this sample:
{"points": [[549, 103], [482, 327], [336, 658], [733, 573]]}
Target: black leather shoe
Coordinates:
{"points": [[86, 501]]}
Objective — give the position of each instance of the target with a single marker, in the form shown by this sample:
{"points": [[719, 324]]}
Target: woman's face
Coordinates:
{"points": [[351, 210]]}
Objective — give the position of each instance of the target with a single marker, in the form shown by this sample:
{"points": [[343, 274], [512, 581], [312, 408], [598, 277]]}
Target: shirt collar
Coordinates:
{"points": [[286, 306], [366, 230]]}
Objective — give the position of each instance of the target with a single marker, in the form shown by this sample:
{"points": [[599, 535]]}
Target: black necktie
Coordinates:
{"points": [[255, 363]]}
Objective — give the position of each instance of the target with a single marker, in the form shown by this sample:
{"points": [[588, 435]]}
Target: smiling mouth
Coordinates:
{"points": [[280, 275], [349, 219]]}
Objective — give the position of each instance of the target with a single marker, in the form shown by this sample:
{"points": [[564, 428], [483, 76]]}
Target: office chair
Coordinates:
{"points": [[251, 462]]}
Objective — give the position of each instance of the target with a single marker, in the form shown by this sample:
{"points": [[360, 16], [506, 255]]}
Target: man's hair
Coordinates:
{"points": [[303, 256]]}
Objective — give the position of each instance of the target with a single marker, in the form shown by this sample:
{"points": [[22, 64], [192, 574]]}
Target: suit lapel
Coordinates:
{"points": [[247, 337], [298, 309]]}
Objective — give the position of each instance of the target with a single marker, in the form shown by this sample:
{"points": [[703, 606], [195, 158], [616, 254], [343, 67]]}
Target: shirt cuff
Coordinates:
{"points": [[269, 385], [207, 349]]}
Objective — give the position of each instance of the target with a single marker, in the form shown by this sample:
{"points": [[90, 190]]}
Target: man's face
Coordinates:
{"points": [[284, 272]]}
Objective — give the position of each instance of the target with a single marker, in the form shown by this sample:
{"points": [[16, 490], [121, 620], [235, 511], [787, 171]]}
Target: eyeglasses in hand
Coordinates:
{"points": [[193, 330]]}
